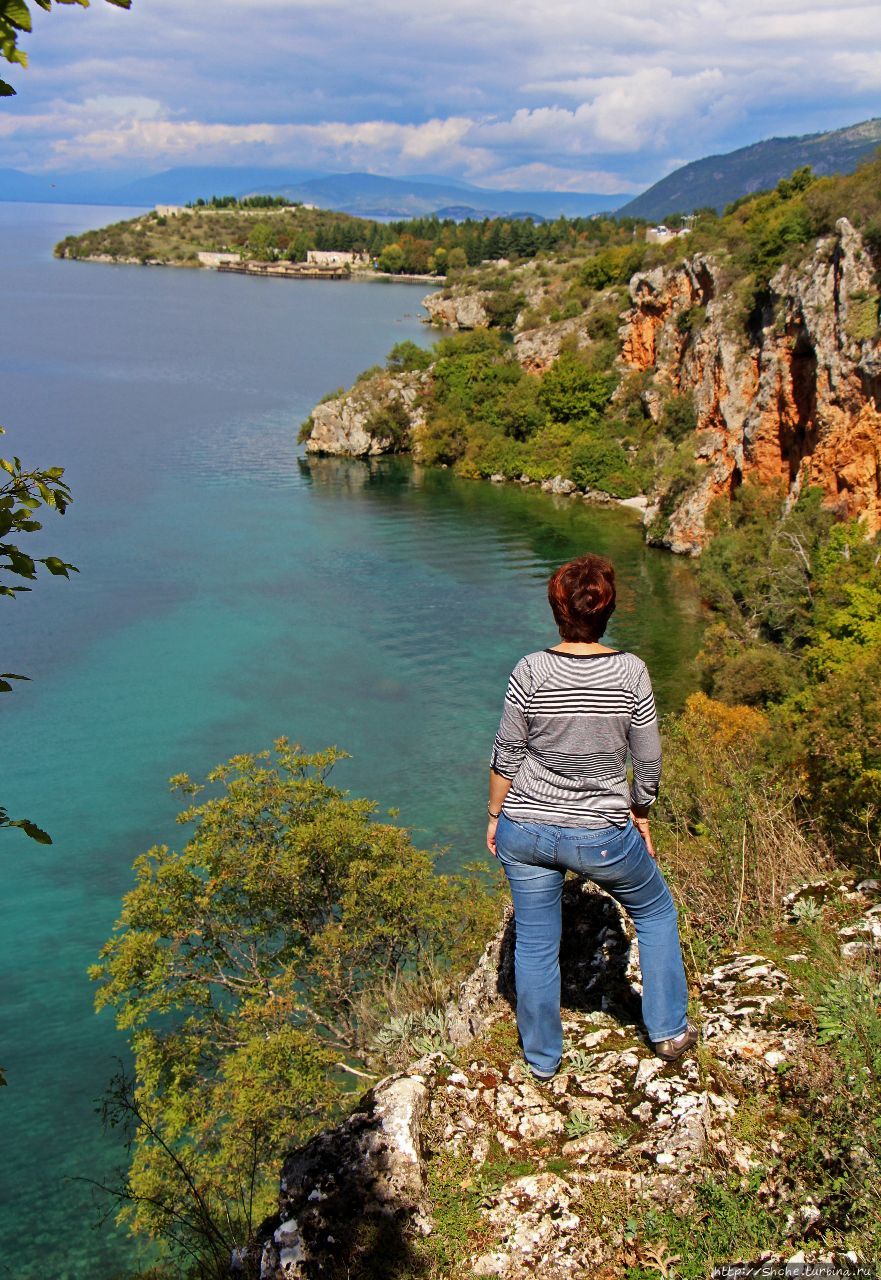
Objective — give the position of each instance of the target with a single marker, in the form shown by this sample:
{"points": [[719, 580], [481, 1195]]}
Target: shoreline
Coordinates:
{"points": [[271, 270], [596, 497]]}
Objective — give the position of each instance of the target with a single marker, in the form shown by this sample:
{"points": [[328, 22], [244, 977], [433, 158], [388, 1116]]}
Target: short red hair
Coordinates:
{"points": [[581, 594]]}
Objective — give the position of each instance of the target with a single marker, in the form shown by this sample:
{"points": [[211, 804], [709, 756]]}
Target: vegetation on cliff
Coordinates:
{"points": [[252, 969], [797, 597], [618, 367]]}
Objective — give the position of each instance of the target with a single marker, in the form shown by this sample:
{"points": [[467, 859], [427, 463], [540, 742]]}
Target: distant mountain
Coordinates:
{"points": [[171, 186], [365, 194], [178, 186], [459, 213], [51, 188], [717, 180], [369, 195]]}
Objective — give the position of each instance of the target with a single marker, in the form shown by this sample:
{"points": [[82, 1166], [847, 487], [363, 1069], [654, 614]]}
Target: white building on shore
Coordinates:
{"points": [[336, 258], [215, 259]]}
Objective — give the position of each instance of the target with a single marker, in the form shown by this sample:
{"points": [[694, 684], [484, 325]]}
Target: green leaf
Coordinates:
{"points": [[58, 567], [21, 564], [16, 13], [6, 90], [5, 686], [31, 829]]}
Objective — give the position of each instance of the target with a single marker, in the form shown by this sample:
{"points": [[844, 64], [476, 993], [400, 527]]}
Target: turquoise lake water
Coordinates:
{"points": [[231, 590]]}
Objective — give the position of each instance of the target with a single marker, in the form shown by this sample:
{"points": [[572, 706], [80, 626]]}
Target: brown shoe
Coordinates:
{"points": [[672, 1049]]}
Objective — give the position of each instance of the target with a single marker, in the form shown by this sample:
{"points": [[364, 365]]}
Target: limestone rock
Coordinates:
{"points": [[798, 404], [621, 1122], [559, 484], [457, 308], [347, 424]]}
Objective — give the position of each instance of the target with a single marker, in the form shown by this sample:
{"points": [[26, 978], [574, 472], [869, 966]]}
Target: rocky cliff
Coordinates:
{"points": [[788, 395], [370, 418], [462, 1154], [795, 403]]}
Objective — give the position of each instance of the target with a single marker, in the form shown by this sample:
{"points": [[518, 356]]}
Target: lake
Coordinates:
{"points": [[231, 590]]}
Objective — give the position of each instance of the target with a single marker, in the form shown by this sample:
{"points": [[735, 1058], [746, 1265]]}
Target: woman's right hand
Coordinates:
{"points": [[642, 826]]}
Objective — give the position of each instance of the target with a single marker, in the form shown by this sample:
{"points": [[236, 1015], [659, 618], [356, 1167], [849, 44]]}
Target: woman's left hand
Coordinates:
{"points": [[491, 836]]}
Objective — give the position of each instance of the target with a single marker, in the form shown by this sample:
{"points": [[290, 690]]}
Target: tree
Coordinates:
{"points": [[262, 242], [244, 966], [391, 259], [23, 493], [570, 390], [301, 243], [15, 18]]}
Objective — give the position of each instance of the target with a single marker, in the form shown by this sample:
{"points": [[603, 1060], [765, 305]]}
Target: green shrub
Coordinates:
{"points": [[407, 357], [502, 308], [604, 321], [678, 416], [612, 266], [519, 412], [571, 389], [862, 317], [601, 463], [391, 422], [691, 320]]}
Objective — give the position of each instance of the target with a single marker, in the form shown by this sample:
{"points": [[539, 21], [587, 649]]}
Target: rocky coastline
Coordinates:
{"points": [[795, 399]]}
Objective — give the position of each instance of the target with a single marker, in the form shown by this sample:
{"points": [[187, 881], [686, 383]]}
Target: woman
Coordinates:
{"points": [[559, 799]]}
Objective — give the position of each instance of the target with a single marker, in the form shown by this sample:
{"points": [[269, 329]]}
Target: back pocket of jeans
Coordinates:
{"points": [[595, 855]]}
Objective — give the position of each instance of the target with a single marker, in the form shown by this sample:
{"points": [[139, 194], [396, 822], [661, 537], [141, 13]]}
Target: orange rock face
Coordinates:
{"points": [[800, 404]]}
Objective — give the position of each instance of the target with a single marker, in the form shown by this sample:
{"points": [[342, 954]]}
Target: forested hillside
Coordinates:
{"points": [[269, 229]]}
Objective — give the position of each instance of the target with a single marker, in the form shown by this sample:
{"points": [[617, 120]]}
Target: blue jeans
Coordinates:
{"points": [[536, 856]]}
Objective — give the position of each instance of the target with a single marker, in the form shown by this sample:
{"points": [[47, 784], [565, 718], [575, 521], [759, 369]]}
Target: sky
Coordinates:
{"points": [[601, 96]]}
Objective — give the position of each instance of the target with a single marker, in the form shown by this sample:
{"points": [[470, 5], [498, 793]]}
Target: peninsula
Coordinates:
{"points": [[260, 232]]}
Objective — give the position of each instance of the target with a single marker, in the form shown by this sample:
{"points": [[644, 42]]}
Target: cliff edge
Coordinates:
{"points": [[463, 1155], [799, 403]]}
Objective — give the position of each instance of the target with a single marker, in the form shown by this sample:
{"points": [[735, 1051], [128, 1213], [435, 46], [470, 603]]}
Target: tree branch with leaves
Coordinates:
{"points": [[22, 493], [15, 21]]}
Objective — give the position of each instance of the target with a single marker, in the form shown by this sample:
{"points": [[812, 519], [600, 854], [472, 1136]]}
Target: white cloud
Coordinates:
{"points": [[547, 177], [503, 92], [623, 114]]}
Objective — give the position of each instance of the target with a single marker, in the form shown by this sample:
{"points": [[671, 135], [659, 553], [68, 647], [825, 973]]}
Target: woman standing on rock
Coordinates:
{"points": [[559, 800]]}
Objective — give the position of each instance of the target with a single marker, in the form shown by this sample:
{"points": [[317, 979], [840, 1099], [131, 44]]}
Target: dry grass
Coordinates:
{"points": [[727, 831]]}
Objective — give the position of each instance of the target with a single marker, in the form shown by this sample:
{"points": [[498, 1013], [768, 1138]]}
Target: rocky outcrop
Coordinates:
{"points": [[375, 416], [797, 403], [457, 308], [616, 1125], [537, 349]]}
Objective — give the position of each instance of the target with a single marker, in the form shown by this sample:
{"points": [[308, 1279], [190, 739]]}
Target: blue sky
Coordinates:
{"points": [[582, 95]]}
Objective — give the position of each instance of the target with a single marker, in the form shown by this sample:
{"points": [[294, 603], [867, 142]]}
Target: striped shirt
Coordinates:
{"points": [[567, 725]]}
